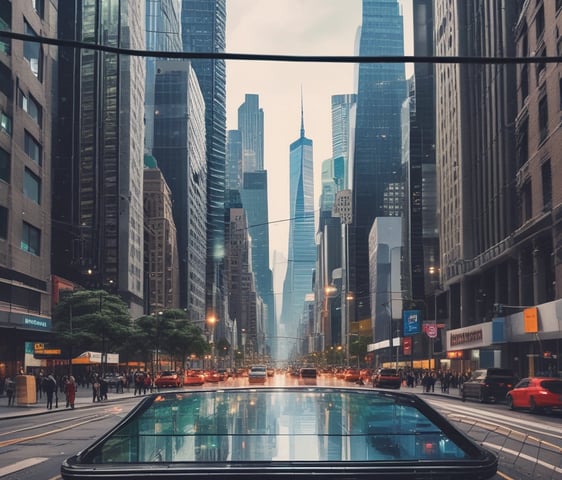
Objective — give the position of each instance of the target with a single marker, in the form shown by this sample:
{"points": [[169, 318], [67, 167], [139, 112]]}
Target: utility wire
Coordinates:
{"points": [[281, 58]]}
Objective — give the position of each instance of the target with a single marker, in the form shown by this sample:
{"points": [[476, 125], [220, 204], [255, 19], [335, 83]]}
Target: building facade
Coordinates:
{"points": [[250, 124], [254, 196], [162, 260], [27, 83], [163, 33], [180, 149], [376, 166], [204, 30], [99, 160]]}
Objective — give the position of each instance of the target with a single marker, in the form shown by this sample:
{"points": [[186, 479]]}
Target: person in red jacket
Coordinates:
{"points": [[70, 391]]}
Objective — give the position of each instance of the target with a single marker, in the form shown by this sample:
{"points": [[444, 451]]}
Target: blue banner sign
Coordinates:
{"points": [[412, 322]]}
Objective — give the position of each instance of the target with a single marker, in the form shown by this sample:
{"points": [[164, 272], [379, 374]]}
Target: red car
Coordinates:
{"points": [[536, 394], [193, 378], [168, 379]]}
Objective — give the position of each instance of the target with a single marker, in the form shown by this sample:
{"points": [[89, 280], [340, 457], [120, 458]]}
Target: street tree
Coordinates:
{"points": [[91, 320]]}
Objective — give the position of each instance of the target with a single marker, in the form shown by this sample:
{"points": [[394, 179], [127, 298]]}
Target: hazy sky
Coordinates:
{"points": [[296, 27]]}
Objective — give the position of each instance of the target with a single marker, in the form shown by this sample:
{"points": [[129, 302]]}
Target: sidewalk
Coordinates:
{"points": [[84, 400]]}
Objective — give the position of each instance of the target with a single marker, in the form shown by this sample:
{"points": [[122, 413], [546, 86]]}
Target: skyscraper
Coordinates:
{"points": [[179, 146], [255, 202], [250, 124], [343, 117], [204, 30], [163, 33], [233, 168], [376, 163], [302, 250], [99, 160]]}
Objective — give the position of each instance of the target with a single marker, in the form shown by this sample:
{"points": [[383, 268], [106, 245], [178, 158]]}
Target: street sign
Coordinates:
{"points": [[431, 330]]}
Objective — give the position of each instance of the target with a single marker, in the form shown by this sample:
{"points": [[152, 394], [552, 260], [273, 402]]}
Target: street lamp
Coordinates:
{"points": [[212, 320]]}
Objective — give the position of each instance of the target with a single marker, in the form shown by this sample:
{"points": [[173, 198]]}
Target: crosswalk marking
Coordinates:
{"points": [[21, 465]]}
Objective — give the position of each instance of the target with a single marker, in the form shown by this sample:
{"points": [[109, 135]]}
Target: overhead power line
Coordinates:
{"points": [[279, 58]]}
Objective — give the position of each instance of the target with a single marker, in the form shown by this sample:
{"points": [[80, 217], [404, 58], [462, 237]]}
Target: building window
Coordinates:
{"points": [[6, 123], [5, 24], [32, 148], [526, 202], [6, 83], [32, 53], [539, 24], [30, 239], [32, 186], [39, 6], [32, 107], [546, 176], [541, 67], [543, 117], [522, 137], [3, 223], [4, 165], [524, 82]]}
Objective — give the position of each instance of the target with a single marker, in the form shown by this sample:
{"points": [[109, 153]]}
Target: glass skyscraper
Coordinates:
{"points": [[302, 250], [163, 34], [179, 147], [98, 207], [204, 30], [377, 157]]}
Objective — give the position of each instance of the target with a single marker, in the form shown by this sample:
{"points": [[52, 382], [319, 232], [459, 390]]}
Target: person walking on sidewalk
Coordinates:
{"points": [[70, 391], [10, 387], [50, 389]]}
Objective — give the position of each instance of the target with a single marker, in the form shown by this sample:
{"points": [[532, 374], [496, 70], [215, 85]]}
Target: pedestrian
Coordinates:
{"points": [[147, 383], [50, 388], [70, 391], [10, 387], [96, 389], [104, 387], [139, 383]]}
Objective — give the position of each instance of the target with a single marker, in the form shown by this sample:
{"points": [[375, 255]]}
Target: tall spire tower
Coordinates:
{"points": [[302, 250]]}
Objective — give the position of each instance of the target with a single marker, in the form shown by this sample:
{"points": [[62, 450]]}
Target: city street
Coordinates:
{"points": [[34, 441]]}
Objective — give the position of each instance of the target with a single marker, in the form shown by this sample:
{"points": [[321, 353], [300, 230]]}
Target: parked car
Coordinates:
{"points": [[168, 379], [386, 378], [489, 385], [270, 371], [193, 377], [536, 394], [257, 374]]}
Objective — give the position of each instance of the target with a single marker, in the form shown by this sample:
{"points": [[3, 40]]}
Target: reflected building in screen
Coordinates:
{"points": [[376, 181]]}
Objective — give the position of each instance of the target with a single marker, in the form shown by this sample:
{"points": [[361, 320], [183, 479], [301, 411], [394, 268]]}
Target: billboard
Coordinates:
{"points": [[412, 322]]}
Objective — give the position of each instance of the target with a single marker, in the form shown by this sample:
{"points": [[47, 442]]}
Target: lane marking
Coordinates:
{"points": [[15, 467], [15, 441], [524, 456]]}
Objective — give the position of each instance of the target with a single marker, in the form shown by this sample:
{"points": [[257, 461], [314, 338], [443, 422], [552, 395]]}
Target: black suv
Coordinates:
{"points": [[489, 385]]}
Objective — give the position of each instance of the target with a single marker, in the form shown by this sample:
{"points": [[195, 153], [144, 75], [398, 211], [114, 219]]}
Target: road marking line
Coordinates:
{"points": [[30, 462], [524, 456]]}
